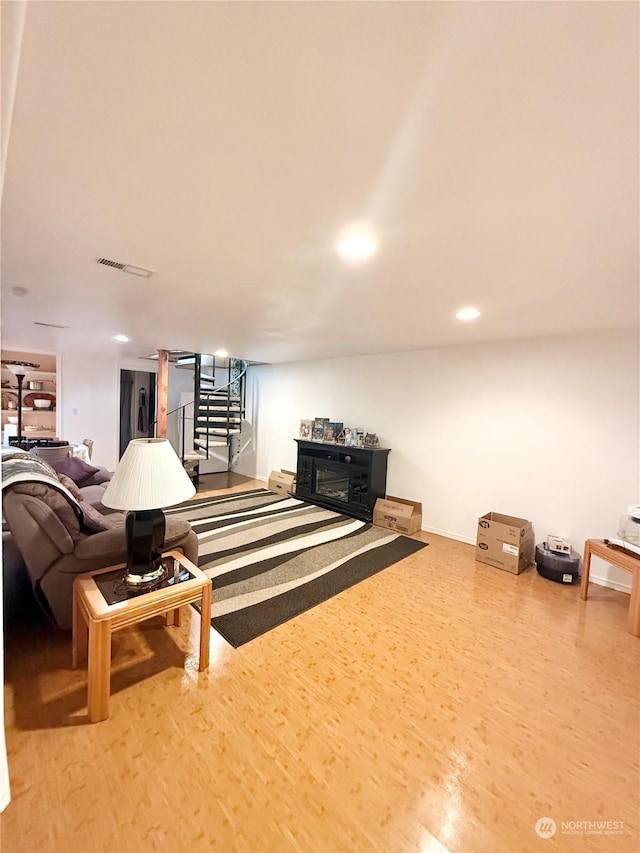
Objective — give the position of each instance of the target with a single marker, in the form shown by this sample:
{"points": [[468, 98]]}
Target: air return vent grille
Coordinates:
{"points": [[130, 268], [49, 325]]}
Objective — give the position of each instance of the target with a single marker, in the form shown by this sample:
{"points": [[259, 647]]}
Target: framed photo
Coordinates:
{"points": [[332, 430], [318, 429], [306, 429]]}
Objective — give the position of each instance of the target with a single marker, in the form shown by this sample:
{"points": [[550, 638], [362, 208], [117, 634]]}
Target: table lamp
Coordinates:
{"points": [[19, 370], [148, 477]]}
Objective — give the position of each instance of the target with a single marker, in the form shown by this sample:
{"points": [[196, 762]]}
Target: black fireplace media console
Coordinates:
{"points": [[345, 479]]}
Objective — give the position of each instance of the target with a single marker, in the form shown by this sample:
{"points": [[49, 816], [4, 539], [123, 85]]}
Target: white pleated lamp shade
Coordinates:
{"points": [[149, 476]]}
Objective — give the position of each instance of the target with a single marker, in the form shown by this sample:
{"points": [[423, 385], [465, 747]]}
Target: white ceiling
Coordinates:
{"points": [[493, 148]]}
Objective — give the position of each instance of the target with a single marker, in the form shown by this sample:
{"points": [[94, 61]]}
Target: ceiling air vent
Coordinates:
{"points": [[130, 268]]}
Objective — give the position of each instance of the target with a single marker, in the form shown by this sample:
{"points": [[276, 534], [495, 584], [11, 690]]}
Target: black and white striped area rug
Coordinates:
{"points": [[271, 557]]}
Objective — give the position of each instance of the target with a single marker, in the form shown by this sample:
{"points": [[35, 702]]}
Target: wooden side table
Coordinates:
{"points": [[599, 548], [94, 620]]}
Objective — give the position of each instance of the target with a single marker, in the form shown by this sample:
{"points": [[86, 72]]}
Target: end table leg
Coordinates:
{"points": [[79, 633], [205, 627], [633, 623], [586, 563], [172, 618], [99, 675]]}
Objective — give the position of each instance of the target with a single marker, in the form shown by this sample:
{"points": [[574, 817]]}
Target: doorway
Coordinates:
{"points": [[137, 406]]}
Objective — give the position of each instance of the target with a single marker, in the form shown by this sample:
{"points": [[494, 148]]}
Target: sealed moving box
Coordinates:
{"points": [[505, 541], [398, 514], [281, 482]]}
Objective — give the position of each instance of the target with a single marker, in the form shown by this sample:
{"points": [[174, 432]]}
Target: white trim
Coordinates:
{"points": [[448, 535], [600, 581]]}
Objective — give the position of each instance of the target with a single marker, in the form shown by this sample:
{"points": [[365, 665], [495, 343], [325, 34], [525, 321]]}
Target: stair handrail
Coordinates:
{"points": [[245, 367], [221, 388], [184, 417], [196, 403]]}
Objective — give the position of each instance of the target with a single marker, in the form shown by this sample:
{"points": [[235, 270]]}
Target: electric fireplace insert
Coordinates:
{"points": [[345, 479]]}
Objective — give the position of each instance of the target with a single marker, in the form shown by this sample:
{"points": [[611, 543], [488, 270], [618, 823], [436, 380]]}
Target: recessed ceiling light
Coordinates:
{"points": [[467, 314], [221, 353], [121, 339], [357, 246]]}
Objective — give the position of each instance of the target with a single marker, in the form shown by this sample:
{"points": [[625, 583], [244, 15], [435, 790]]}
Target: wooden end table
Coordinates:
{"points": [[94, 620], [599, 548]]}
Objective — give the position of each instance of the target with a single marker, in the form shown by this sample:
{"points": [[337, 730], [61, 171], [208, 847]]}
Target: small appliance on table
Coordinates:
{"points": [[623, 552]]}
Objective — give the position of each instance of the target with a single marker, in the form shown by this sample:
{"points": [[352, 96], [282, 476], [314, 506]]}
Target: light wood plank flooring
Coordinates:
{"points": [[441, 704]]}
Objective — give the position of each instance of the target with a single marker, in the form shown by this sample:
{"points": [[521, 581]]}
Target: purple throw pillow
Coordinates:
{"points": [[74, 468]]}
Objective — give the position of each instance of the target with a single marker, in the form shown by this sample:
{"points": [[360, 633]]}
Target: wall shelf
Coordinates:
{"points": [[43, 419]]}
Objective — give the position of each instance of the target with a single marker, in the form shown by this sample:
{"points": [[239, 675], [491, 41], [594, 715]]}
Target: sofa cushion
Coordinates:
{"points": [[93, 495], [76, 469], [94, 520], [100, 478], [68, 483]]}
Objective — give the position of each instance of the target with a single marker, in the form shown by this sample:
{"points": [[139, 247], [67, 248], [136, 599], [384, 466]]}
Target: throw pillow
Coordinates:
{"points": [[75, 468]]}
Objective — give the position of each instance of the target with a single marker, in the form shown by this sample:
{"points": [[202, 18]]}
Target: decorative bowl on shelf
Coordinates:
{"points": [[30, 399], [42, 404], [12, 419]]}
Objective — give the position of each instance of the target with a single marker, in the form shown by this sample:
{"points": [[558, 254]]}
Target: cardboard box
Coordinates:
{"points": [[505, 541], [398, 514], [281, 482]]}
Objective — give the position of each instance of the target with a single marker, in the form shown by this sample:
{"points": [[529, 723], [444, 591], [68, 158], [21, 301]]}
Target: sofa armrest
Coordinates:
{"points": [[101, 549]]}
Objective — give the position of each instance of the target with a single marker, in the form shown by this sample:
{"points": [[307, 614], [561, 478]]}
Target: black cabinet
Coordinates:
{"points": [[345, 479]]}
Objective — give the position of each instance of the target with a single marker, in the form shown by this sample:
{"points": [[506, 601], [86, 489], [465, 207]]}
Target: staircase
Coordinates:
{"points": [[218, 409]]}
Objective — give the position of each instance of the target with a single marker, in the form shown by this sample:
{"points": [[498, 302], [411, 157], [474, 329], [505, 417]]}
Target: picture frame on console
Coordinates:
{"points": [[318, 429], [332, 430], [326, 431]]}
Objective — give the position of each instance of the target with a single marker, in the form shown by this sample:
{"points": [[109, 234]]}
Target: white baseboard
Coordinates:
{"points": [[593, 578], [249, 474], [599, 580], [448, 535]]}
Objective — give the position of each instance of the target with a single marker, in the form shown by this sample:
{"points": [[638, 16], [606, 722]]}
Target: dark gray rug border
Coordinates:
{"points": [[247, 624]]}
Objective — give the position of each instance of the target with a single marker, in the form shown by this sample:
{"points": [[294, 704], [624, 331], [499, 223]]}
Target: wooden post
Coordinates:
{"points": [[163, 392]]}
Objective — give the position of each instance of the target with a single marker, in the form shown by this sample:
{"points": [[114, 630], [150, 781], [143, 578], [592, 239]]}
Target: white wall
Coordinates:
{"points": [[545, 429], [89, 401]]}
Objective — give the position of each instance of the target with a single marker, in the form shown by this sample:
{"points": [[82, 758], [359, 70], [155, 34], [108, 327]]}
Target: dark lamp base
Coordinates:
{"points": [[145, 538]]}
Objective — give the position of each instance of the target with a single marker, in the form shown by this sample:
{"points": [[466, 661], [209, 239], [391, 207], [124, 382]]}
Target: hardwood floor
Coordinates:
{"points": [[441, 704]]}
